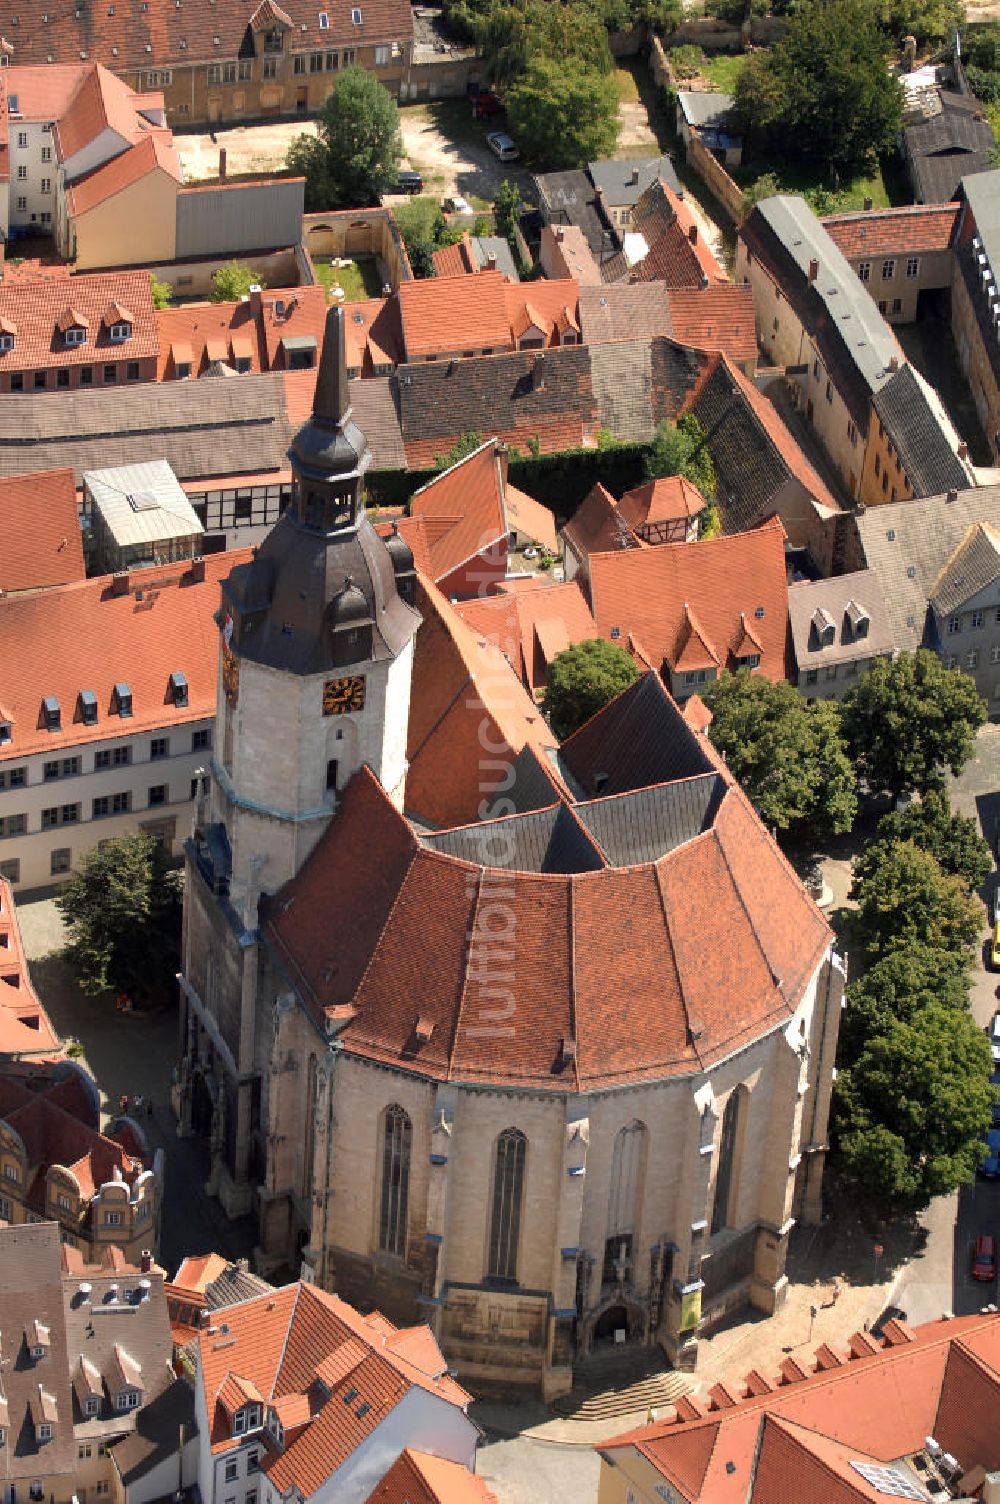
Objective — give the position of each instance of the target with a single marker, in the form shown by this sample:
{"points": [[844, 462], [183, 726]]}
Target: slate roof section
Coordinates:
{"points": [[199, 428], [973, 567], [407, 934], [625, 180], [624, 311], [637, 740], [909, 229], [706, 108], [40, 528], [472, 254], [569, 198], [857, 345], [83, 636], [152, 38], [803, 1439], [31, 1284], [544, 841], [834, 596], [946, 148], [916, 422], [754, 454], [729, 585], [908, 543]]}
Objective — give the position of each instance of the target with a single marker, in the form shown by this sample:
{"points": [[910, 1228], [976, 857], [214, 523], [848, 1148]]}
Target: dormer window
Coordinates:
{"points": [[44, 1431], [178, 688], [859, 621], [91, 1405], [6, 732], [37, 1352], [88, 707], [119, 332], [247, 1418], [51, 714], [75, 335], [128, 1399], [7, 338], [122, 703]]}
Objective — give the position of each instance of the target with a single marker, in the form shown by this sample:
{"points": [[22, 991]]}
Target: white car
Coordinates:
{"points": [[994, 1033], [501, 145]]}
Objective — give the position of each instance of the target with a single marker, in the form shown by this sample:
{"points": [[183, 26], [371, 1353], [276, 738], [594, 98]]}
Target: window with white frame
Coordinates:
{"points": [[46, 154], [972, 658], [913, 266], [22, 173], [888, 268], [75, 335], [864, 270], [46, 185], [119, 332], [381, 57]]}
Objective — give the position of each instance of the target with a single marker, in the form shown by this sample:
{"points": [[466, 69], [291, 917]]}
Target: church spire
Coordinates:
{"points": [[331, 401]]}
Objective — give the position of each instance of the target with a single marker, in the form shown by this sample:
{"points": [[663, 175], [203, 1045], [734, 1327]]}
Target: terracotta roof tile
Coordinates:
{"points": [[41, 309], [464, 514], [83, 636], [155, 152], [677, 252], [454, 313], [906, 230], [526, 624], [40, 528], [715, 318], [419, 1478], [100, 101], [672, 498], [186, 332], [25, 1029], [598, 526]]}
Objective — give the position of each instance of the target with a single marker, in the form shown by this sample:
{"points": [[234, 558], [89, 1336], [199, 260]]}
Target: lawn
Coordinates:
{"points": [[885, 186], [722, 70], [359, 279]]}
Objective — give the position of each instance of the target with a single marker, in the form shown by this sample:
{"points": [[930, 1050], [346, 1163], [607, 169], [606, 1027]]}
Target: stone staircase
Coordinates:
{"points": [[611, 1384]]}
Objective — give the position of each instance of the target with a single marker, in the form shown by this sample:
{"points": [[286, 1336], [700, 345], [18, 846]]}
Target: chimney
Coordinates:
{"points": [[813, 269], [491, 261], [256, 299], [146, 1261], [634, 178], [538, 374], [893, 363], [868, 205], [222, 164], [963, 450], [119, 582], [693, 234], [197, 569]]}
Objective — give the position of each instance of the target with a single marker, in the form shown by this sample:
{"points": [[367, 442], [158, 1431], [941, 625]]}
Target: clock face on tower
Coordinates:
{"points": [[343, 695]]}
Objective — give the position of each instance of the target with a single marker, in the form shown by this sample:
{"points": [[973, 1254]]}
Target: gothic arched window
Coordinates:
{"points": [[627, 1163], [397, 1134], [508, 1192], [721, 1208]]}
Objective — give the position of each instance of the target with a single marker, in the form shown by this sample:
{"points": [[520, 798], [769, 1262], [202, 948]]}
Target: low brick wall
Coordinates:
{"points": [[716, 178]]}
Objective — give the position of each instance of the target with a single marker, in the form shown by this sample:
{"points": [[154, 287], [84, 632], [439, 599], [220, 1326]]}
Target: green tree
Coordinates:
{"points": [[825, 87], [908, 719], [507, 207], [357, 148], [954, 840], [161, 292], [895, 988], [927, 20], [709, 521], [563, 112], [681, 448], [123, 913], [233, 281], [423, 228], [788, 756], [512, 36], [904, 898], [467, 444], [910, 1112], [582, 679], [766, 186]]}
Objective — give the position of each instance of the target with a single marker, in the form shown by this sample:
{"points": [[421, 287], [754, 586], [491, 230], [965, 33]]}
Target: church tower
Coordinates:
{"points": [[315, 663]]}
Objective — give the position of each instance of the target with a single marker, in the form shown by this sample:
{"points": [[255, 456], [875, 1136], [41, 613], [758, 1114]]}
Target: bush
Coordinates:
{"points": [[233, 281], [686, 61], [582, 679]]}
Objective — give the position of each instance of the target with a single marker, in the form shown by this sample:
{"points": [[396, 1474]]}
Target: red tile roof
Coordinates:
{"points": [[276, 1345], [153, 38], [25, 1028], [454, 313], [43, 92], [663, 598], [672, 498], [715, 318], [463, 511], [907, 230], [597, 525], [678, 254], [83, 636], [185, 333], [100, 101], [411, 930], [154, 153], [419, 1478], [528, 623], [40, 531], [530, 518], [798, 1442], [36, 309], [549, 305], [456, 260]]}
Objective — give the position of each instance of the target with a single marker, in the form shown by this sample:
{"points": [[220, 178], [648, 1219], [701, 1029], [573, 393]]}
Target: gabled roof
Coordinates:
{"points": [[840, 598], [906, 230], [453, 313], [135, 40], [40, 531], [678, 254], [918, 425], [947, 147], [598, 525], [25, 1028], [463, 511], [715, 318], [529, 517], [651, 595], [85, 637], [624, 311], [814, 1438], [101, 101], [623, 181], [419, 1478], [973, 567], [42, 310], [31, 1284], [531, 625], [154, 153], [669, 499], [472, 254]]}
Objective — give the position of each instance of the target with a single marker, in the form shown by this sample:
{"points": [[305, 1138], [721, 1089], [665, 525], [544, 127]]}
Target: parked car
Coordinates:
{"points": [[457, 206], [995, 947], [994, 1033], [501, 145], [409, 182], [990, 1167], [984, 1257], [487, 103]]}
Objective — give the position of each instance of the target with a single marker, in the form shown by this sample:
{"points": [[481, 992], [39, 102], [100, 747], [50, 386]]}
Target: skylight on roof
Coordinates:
{"points": [[888, 1480]]}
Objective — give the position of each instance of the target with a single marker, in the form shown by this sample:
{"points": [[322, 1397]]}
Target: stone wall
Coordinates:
{"points": [[716, 178]]}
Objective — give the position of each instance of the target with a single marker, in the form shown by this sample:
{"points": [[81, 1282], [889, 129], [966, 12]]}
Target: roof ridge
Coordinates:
{"points": [[658, 878], [465, 970]]}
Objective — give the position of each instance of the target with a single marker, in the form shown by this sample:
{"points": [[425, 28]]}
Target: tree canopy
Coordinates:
{"points": [[788, 756], [233, 281], [910, 1112], [824, 90], [123, 912], [954, 840], [424, 230], [563, 111], [582, 679], [910, 718], [354, 158], [681, 448], [904, 898], [467, 444], [161, 292], [895, 988]]}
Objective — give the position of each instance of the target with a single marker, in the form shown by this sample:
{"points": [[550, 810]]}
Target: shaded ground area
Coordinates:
{"points": [[929, 345], [134, 1054]]}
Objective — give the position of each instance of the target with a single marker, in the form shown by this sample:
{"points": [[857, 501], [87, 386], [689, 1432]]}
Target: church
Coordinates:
{"points": [[551, 1079]]}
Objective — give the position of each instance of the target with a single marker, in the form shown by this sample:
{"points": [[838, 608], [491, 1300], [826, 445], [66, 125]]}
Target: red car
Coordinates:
{"points": [[984, 1258], [485, 104]]}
